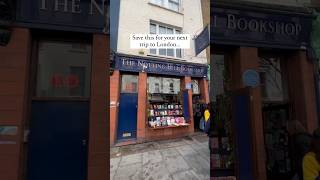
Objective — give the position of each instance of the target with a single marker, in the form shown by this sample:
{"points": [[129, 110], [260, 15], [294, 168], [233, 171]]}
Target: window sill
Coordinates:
{"points": [[153, 4]]}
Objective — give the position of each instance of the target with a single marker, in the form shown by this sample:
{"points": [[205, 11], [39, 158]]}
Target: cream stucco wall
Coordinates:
{"points": [[135, 17]]}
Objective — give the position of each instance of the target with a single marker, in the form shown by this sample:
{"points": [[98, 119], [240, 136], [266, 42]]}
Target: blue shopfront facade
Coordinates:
{"points": [[142, 86], [245, 34]]}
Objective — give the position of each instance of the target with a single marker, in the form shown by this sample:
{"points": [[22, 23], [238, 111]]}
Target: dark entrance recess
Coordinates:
{"points": [[59, 115], [58, 141], [280, 164]]}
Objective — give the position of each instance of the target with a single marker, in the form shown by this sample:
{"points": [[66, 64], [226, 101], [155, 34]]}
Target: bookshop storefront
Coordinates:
{"points": [[151, 98], [53, 91], [261, 56]]}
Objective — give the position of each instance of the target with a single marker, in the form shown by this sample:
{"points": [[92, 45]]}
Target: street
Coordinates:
{"points": [[185, 158]]}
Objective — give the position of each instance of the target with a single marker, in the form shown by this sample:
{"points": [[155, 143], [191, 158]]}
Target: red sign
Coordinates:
{"points": [[70, 81]]}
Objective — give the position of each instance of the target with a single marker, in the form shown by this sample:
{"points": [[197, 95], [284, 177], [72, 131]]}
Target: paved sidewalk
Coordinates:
{"points": [[186, 158]]}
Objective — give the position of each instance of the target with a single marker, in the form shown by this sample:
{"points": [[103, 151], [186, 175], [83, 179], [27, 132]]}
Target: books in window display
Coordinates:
{"points": [[219, 157]]}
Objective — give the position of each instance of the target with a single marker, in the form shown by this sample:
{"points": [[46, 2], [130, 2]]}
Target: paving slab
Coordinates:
{"points": [[185, 150], [114, 163], [184, 158], [151, 157], [170, 152], [185, 175], [112, 173], [129, 172], [176, 164], [155, 171], [199, 165], [131, 159]]}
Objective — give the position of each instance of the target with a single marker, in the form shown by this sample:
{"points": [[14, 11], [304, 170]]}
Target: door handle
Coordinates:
{"points": [[84, 142]]}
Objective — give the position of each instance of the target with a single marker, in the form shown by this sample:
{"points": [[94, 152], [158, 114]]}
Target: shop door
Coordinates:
{"points": [[57, 142], [127, 117], [127, 125], [242, 125]]}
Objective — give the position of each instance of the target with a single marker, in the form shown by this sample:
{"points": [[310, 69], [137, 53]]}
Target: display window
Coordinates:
{"points": [[57, 77], [129, 84], [195, 86], [272, 80], [165, 107]]}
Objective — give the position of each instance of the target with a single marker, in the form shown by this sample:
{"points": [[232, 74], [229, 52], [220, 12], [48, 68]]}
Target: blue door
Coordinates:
{"points": [[127, 118], [241, 107], [58, 140]]}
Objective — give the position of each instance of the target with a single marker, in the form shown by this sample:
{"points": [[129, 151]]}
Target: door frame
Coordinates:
{"points": [[118, 108], [48, 35]]}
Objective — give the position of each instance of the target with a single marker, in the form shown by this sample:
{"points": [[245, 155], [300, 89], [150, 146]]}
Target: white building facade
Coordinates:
{"points": [[158, 86]]}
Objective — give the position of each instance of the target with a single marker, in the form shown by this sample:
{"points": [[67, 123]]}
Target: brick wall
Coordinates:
{"points": [[98, 147], [114, 98], [14, 65]]}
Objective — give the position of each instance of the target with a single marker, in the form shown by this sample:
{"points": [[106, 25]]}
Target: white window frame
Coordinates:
{"points": [[174, 32]]}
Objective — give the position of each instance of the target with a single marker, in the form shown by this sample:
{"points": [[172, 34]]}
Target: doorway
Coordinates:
{"points": [[58, 139], [276, 115], [127, 118]]}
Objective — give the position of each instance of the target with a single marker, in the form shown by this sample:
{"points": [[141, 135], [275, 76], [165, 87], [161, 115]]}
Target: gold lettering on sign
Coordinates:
{"points": [[43, 5], [76, 6], [73, 6], [94, 3]]}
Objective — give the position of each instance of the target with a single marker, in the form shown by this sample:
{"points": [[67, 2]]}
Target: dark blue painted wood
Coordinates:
{"points": [[257, 29], [159, 66], [243, 136], [186, 112], [127, 121], [56, 149], [34, 14], [202, 41]]}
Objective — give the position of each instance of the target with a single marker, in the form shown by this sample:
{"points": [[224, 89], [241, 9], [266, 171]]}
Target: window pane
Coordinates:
{"points": [[162, 30], [271, 77], [154, 85], [173, 5], [217, 77], [159, 2], [178, 53], [163, 85], [169, 31], [170, 52], [63, 69], [195, 87], [153, 29], [163, 52], [153, 51], [129, 84]]}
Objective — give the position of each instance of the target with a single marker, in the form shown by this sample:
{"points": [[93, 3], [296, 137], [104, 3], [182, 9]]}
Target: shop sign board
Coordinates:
{"points": [[68, 15], [202, 41], [254, 28], [157, 66], [251, 78]]}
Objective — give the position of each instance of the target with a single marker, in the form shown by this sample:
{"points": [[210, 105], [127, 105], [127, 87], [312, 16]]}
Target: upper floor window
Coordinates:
{"points": [[161, 29], [170, 4]]}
